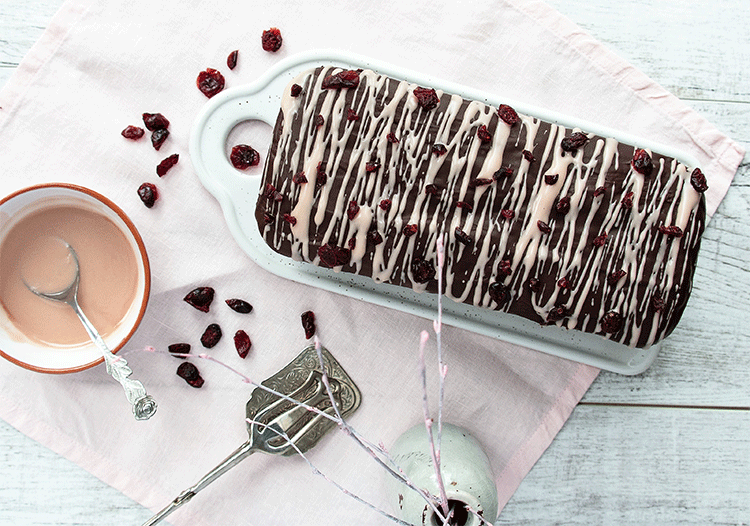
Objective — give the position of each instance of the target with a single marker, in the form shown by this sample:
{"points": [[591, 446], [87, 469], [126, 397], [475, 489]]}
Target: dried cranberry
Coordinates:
{"points": [[528, 156], [671, 231], [627, 200], [422, 270], [600, 240], [600, 191], [465, 206], [507, 214], [534, 285], [200, 298], [642, 162], [658, 303], [426, 97], [563, 205], [238, 305], [270, 193], [385, 204], [299, 178], [502, 173], [391, 137], [372, 166], [483, 134], [353, 210], [439, 149], [575, 141], [133, 133], [432, 189], [158, 137], [189, 372], [148, 194], [295, 90], [616, 276], [244, 156], [374, 237], [498, 292], [308, 323], [462, 237], [271, 40], [268, 218], [211, 336], [507, 114], [319, 121], [551, 179], [612, 322], [166, 164], [232, 59], [320, 178], [505, 267], [210, 82], [155, 121], [544, 227], [410, 230], [479, 181], [557, 313], [343, 79], [242, 343], [178, 349], [289, 218], [352, 243], [563, 283], [351, 115], [698, 180], [334, 256]]}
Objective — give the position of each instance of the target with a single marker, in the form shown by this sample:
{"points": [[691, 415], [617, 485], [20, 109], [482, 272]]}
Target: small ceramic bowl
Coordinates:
{"points": [[49, 358]]}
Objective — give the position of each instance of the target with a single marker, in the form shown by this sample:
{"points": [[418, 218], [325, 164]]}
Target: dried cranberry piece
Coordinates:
{"points": [[385, 204], [343, 79], [200, 298], [158, 137], [299, 178], [210, 82], [352, 243], [612, 322], [479, 181], [575, 141], [289, 218], [432, 189], [352, 211], [544, 227], [148, 194], [507, 214], [372, 166], [232, 59], [155, 121], [698, 180], [422, 270], [502, 173], [534, 285], [319, 121], [658, 303], [562, 206], [271, 40], [391, 137], [616, 276], [557, 313], [600, 191], [295, 90], [164, 166], [211, 336], [177, 349], [528, 156], [498, 292], [507, 114], [243, 156], [270, 193], [308, 323], [238, 305], [351, 115], [671, 231], [426, 97], [320, 178], [374, 237], [465, 206], [551, 179], [410, 230], [600, 240], [132, 132], [505, 267], [242, 343], [483, 134], [439, 149], [334, 256], [268, 218], [642, 162], [462, 237], [563, 283], [627, 200], [189, 372]]}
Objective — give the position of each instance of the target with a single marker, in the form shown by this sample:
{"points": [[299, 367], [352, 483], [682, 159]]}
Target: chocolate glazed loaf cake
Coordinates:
{"points": [[557, 225]]}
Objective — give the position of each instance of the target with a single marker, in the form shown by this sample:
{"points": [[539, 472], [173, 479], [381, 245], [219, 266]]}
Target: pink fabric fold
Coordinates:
{"points": [[100, 65]]}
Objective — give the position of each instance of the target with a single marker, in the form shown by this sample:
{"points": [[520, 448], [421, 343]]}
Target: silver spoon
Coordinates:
{"points": [[144, 406]]}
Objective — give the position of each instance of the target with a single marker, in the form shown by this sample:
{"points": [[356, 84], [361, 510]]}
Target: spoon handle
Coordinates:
{"points": [[144, 406]]}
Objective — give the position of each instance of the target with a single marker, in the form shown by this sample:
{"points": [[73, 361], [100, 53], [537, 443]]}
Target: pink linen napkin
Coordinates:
{"points": [[101, 64]]}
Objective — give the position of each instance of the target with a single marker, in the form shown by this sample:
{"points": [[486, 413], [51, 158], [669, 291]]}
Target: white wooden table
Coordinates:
{"points": [[668, 447]]}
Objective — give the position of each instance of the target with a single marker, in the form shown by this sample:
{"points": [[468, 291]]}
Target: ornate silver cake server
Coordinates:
{"points": [[271, 418]]}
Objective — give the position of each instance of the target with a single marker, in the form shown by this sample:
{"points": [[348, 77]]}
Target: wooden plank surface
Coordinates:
{"points": [[670, 446]]}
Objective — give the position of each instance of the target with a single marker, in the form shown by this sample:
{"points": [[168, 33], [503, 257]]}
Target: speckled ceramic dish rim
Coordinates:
{"points": [[237, 194]]}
